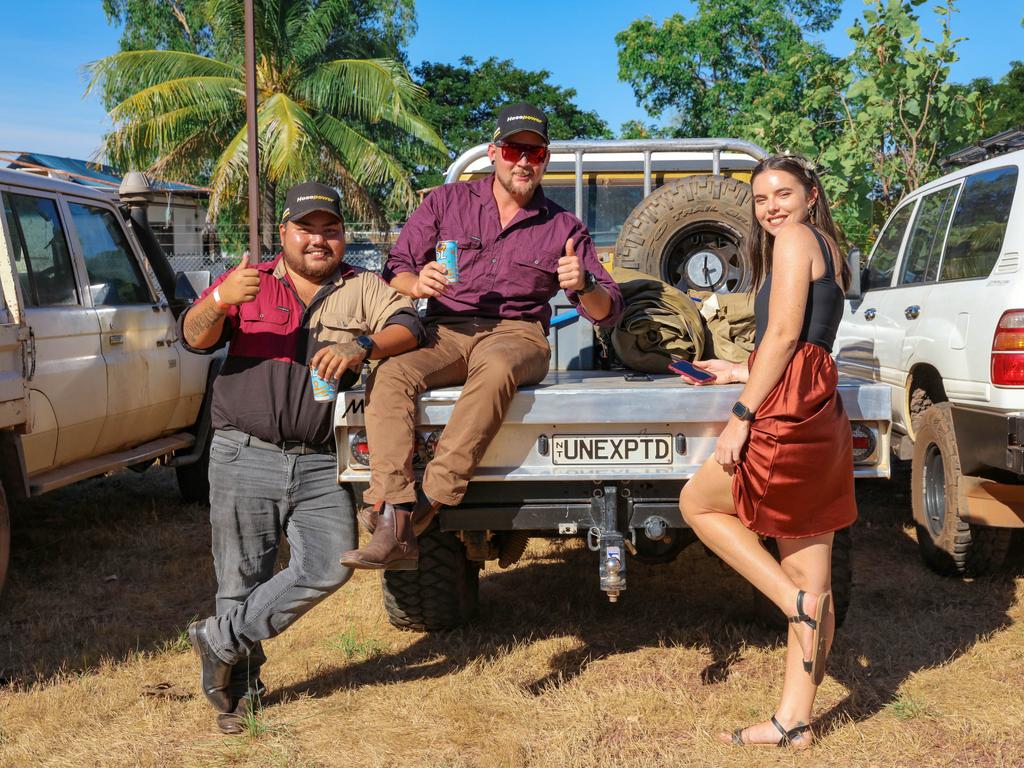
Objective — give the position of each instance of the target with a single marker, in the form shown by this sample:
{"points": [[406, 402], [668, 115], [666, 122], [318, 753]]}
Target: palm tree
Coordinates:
{"points": [[320, 115]]}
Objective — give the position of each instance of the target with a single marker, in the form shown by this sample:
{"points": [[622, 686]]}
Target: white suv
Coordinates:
{"points": [[941, 321]]}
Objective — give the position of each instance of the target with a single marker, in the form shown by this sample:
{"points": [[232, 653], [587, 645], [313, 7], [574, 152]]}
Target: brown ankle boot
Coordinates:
{"points": [[392, 547], [423, 512], [368, 515]]}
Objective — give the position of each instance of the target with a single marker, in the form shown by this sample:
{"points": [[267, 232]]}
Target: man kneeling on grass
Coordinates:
{"points": [[273, 467]]}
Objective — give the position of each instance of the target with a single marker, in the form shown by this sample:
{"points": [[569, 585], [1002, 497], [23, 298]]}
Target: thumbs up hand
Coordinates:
{"points": [[242, 285], [571, 275]]}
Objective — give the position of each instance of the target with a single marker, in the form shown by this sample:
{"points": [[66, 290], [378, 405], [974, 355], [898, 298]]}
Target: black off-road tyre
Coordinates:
{"points": [[698, 214], [194, 479], [441, 594], [950, 546], [842, 583], [5, 538]]}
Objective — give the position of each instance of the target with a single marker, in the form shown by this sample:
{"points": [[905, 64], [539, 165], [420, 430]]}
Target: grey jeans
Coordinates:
{"points": [[256, 494]]}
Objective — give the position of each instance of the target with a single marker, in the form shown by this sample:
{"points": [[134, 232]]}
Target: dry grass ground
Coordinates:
{"points": [[926, 672]]}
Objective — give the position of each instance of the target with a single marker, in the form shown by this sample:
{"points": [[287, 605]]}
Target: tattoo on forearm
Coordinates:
{"points": [[199, 321]]}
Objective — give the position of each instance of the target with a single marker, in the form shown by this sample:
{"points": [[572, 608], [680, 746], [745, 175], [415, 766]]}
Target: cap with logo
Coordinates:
{"points": [[303, 199], [520, 117]]}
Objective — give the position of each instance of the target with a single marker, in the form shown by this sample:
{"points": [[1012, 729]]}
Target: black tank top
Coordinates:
{"points": [[824, 304]]}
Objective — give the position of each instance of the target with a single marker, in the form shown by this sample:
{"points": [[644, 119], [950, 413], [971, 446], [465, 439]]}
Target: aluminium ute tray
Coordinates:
{"points": [[565, 398]]}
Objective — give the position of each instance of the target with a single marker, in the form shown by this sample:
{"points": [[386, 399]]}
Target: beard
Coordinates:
{"points": [[315, 266], [523, 192]]}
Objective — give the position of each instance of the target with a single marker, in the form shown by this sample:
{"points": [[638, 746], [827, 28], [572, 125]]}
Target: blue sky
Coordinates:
{"points": [[44, 43]]}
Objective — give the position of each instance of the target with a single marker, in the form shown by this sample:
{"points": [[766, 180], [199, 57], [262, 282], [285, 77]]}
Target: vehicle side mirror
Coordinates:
{"points": [[855, 291], [188, 286]]}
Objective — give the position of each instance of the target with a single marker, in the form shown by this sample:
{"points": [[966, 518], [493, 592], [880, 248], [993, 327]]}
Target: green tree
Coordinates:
{"points": [[464, 100], [898, 114], [1006, 97], [735, 59], [322, 112]]}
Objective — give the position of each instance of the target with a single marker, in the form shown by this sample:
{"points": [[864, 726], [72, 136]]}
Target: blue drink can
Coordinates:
{"points": [[447, 254]]}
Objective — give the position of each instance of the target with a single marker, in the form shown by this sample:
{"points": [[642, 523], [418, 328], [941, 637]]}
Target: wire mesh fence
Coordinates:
{"points": [[191, 251]]}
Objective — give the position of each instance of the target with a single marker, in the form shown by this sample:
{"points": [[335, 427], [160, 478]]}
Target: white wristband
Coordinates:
{"points": [[216, 297]]}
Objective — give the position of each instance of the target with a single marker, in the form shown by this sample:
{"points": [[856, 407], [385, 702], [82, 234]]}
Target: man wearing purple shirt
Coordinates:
{"points": [[516, 249]]}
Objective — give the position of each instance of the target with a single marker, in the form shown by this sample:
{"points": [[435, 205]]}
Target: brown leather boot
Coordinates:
{"points": [[393, 546], [423, 513]]}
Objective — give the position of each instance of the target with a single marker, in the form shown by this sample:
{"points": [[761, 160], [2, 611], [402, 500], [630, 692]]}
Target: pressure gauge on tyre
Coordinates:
{"points": [[704, 270]]}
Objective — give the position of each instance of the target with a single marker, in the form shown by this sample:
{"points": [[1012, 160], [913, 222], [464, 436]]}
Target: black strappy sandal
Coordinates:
{"points": [[785, 741], [815, 667]]}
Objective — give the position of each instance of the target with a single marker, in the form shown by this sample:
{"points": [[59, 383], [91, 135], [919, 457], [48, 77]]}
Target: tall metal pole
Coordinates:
{"points": [[254, 149]]}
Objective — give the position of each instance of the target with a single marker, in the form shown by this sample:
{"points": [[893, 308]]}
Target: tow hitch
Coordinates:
{"points": [[606, 538]]}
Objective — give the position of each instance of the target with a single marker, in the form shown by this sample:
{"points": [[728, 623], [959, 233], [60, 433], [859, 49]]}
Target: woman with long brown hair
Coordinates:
{"points": [[783, 464]]}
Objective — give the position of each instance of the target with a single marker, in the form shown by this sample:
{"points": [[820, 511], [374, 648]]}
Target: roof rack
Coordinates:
{"points": [[993, 146]]}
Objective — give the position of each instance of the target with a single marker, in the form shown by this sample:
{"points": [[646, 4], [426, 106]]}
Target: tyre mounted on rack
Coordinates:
{"points": [[689, 233], [949, 545], [440, 594]]}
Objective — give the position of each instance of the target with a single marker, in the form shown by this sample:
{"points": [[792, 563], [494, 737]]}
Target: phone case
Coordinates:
{"points": [[690, 372]]}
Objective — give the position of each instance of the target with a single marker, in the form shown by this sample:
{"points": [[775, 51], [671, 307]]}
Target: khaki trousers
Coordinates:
{"points": [[491, 358]]}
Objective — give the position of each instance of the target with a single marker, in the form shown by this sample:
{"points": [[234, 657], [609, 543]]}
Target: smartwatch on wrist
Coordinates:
{"points": [[741, 412], [367, 344], [589, 283]]}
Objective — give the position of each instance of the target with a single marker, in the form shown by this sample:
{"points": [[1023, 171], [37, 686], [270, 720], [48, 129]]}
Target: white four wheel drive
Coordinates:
{"points": [[92, 375], [941, 322]]}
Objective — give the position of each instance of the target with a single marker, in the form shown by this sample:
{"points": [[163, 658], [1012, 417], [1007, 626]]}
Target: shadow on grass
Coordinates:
{"points": [[903, 618], [102, 570]]}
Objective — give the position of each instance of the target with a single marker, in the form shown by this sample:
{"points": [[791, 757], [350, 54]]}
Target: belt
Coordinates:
{"points": [[285, 446]]}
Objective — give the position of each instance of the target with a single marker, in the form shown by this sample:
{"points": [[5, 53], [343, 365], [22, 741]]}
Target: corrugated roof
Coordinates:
{"points": [[90, 174]]}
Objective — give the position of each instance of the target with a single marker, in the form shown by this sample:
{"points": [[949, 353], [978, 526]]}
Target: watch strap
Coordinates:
{"points": [[589, 283], [740, 411], [366, 343]]}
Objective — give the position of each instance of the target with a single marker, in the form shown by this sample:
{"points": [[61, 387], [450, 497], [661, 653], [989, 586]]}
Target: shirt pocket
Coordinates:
{"points": [[533, 274], [266, 332], [337, 329], [265, 318]]}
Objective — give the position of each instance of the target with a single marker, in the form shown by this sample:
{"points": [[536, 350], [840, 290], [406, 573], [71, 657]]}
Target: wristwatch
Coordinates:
{"points": [[741, 412], [589, 283], [366, 343]]}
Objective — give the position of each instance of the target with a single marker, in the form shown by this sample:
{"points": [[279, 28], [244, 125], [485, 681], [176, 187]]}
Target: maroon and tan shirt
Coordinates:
{"points": [[264, 388], [506, 273]]}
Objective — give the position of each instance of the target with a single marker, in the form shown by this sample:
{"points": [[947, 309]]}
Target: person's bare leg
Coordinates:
{"points": [[808, 563], [707, 506]]}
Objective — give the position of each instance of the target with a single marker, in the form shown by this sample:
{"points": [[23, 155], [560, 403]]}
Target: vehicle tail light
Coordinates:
{"points": [[864, 443], [360, 448], [1008, 349]]}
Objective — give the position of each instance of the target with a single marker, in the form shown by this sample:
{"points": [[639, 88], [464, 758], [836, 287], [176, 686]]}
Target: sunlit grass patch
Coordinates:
{"points": [[352, 646], [905, 707]]}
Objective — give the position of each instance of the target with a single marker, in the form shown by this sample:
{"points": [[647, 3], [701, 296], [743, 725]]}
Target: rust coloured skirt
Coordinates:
{"points": [[795, 478]]}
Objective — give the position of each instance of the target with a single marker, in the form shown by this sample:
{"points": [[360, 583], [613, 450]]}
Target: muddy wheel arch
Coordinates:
{"points": [[690, 233]]}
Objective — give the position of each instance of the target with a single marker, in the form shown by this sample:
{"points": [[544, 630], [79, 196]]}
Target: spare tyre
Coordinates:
{"points": [[690, 233]]}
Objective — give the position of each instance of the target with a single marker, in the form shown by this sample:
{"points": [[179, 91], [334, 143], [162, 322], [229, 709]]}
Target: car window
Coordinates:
{"points": [[924, 249], [114, 275], [41, 255], [887, 250], [979, 224]]}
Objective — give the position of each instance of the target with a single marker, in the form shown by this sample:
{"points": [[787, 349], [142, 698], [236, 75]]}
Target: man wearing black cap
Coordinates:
{"points": [[488, 331], [273, 467]]}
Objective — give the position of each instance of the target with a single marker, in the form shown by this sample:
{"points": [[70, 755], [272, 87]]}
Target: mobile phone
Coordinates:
{"points": [[691, 372]]}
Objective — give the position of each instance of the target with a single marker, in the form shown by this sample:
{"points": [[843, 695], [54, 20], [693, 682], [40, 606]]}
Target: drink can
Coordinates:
{"points": [[447, 253], [324, 390]]}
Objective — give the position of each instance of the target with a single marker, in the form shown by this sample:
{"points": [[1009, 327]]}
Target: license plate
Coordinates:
{"points": [[612, 449]]}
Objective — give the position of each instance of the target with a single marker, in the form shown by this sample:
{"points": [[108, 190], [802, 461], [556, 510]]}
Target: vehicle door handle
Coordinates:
{"points": [[117, 338], [869, 314], [912, 312]]}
